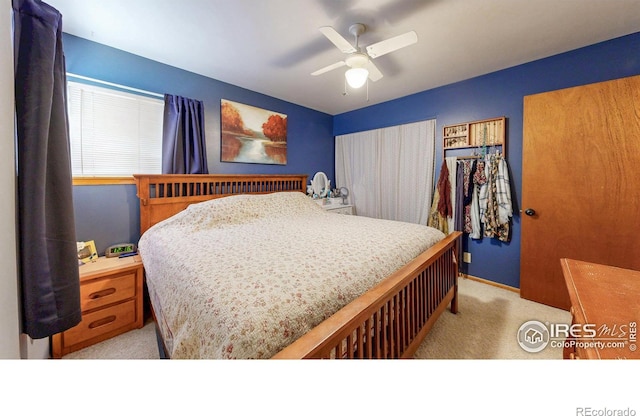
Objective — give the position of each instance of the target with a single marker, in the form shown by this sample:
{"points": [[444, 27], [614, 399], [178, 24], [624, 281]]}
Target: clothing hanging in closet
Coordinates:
{"points": [[496, 206], [467, 170], [475, 199], [441, 208]]}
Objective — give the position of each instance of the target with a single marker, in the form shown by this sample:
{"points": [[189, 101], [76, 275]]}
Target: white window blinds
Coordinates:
{"points": [[113, 133]]}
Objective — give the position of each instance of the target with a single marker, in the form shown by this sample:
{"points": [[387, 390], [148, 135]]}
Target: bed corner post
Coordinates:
{"points": [[456, 254], [142, 192]]}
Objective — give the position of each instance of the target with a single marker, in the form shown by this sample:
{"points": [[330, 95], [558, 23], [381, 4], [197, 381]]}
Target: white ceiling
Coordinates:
{"points": [[272, 46]]}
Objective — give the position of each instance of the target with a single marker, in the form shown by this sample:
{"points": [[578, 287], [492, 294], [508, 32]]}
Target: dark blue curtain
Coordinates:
{"points": [[48, 263], [183, 142]]}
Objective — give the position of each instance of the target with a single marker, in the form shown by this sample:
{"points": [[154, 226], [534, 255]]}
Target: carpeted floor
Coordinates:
{"points": [[485, 327], [137, 344]]}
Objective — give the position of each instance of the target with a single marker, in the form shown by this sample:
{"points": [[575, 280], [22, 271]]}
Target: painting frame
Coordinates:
{"points": [[250, 134]]}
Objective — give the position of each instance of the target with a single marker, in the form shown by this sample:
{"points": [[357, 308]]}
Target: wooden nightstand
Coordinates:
{"points": [[111, 298]]}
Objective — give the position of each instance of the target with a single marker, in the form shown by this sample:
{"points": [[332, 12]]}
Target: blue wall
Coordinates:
{"points": [[109, 214], [494, 95]]}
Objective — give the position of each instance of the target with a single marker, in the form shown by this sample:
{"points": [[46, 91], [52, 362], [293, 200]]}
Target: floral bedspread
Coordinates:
{"points": [[244, 276]]}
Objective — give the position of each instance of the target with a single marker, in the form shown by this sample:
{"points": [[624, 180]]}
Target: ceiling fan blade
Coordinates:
{"points": [[329, 68], [374, 72], [337, 39], [392, 44]]}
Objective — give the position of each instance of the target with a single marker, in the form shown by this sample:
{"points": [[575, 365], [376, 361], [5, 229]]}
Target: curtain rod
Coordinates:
{"points": [[115, 85]]}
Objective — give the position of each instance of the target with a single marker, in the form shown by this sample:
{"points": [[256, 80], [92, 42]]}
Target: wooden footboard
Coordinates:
{"points": [[391, 319]]}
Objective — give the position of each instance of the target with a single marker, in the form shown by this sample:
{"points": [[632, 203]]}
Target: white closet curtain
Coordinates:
{"points": [[389, 172]]}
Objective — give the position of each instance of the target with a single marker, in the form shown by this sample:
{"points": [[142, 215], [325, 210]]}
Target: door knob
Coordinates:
{"points": [[530, 212]]}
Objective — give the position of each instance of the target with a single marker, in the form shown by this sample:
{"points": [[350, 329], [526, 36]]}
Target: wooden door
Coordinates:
{"points": [[581, 176]]}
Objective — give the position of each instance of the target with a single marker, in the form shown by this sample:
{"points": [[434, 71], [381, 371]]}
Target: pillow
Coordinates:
{"points": [[240, 209]]}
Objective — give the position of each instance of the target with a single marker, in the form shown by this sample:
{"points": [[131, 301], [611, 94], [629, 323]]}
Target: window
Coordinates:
{"points": [[113, 133]]}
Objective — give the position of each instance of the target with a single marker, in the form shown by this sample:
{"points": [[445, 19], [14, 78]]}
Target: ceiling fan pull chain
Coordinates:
{"points": [[367, 89]]}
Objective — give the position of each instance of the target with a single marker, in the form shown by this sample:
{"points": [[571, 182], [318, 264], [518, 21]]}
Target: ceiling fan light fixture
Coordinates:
{"points": [[359, 61], [356, 77]]}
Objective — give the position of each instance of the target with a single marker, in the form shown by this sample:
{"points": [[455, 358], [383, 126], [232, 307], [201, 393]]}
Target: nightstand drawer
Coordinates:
{"points": [[95, 324], [107, 291]]}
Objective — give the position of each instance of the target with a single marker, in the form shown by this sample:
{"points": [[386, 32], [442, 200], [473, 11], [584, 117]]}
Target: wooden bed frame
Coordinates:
{"points": [[388, 321]]}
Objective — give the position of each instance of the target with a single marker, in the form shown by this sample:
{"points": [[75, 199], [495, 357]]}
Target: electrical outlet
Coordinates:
{"points": [[466, 257]]}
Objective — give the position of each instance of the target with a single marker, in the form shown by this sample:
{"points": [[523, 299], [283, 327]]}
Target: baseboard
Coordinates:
{"points": [[489, 282]]}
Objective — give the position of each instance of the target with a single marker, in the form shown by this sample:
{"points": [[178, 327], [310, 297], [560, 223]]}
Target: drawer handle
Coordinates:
{"points": [[101, 322], [102, 293]]}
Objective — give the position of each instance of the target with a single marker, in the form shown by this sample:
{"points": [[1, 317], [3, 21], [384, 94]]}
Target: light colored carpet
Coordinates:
{"points": [[137, 344], [485, 327]]}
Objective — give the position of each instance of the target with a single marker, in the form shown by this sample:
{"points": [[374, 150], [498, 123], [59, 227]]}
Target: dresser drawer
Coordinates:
{"points": [[106, 291], [103, 321]]}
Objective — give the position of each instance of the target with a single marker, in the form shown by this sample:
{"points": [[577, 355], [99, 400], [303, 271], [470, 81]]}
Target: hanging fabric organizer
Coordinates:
{"points": [[473, 193]]}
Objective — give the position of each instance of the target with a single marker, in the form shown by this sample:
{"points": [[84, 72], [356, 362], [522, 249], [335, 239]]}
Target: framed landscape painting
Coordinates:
{"points": [[252, 135]]}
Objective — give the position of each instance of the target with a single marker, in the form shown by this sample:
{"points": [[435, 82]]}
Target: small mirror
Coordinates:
{"points": [[320, 184], [344, 193]]}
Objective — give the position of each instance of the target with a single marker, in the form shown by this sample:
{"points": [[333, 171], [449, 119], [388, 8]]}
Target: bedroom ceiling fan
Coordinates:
{"points": [[359, 62]]}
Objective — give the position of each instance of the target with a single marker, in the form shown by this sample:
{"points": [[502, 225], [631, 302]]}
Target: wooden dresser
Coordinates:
{"points": [[605, 309], [111, 298]]}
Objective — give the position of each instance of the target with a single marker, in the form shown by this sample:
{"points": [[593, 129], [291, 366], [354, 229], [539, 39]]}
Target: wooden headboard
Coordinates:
{"points": [[162, 196]]}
